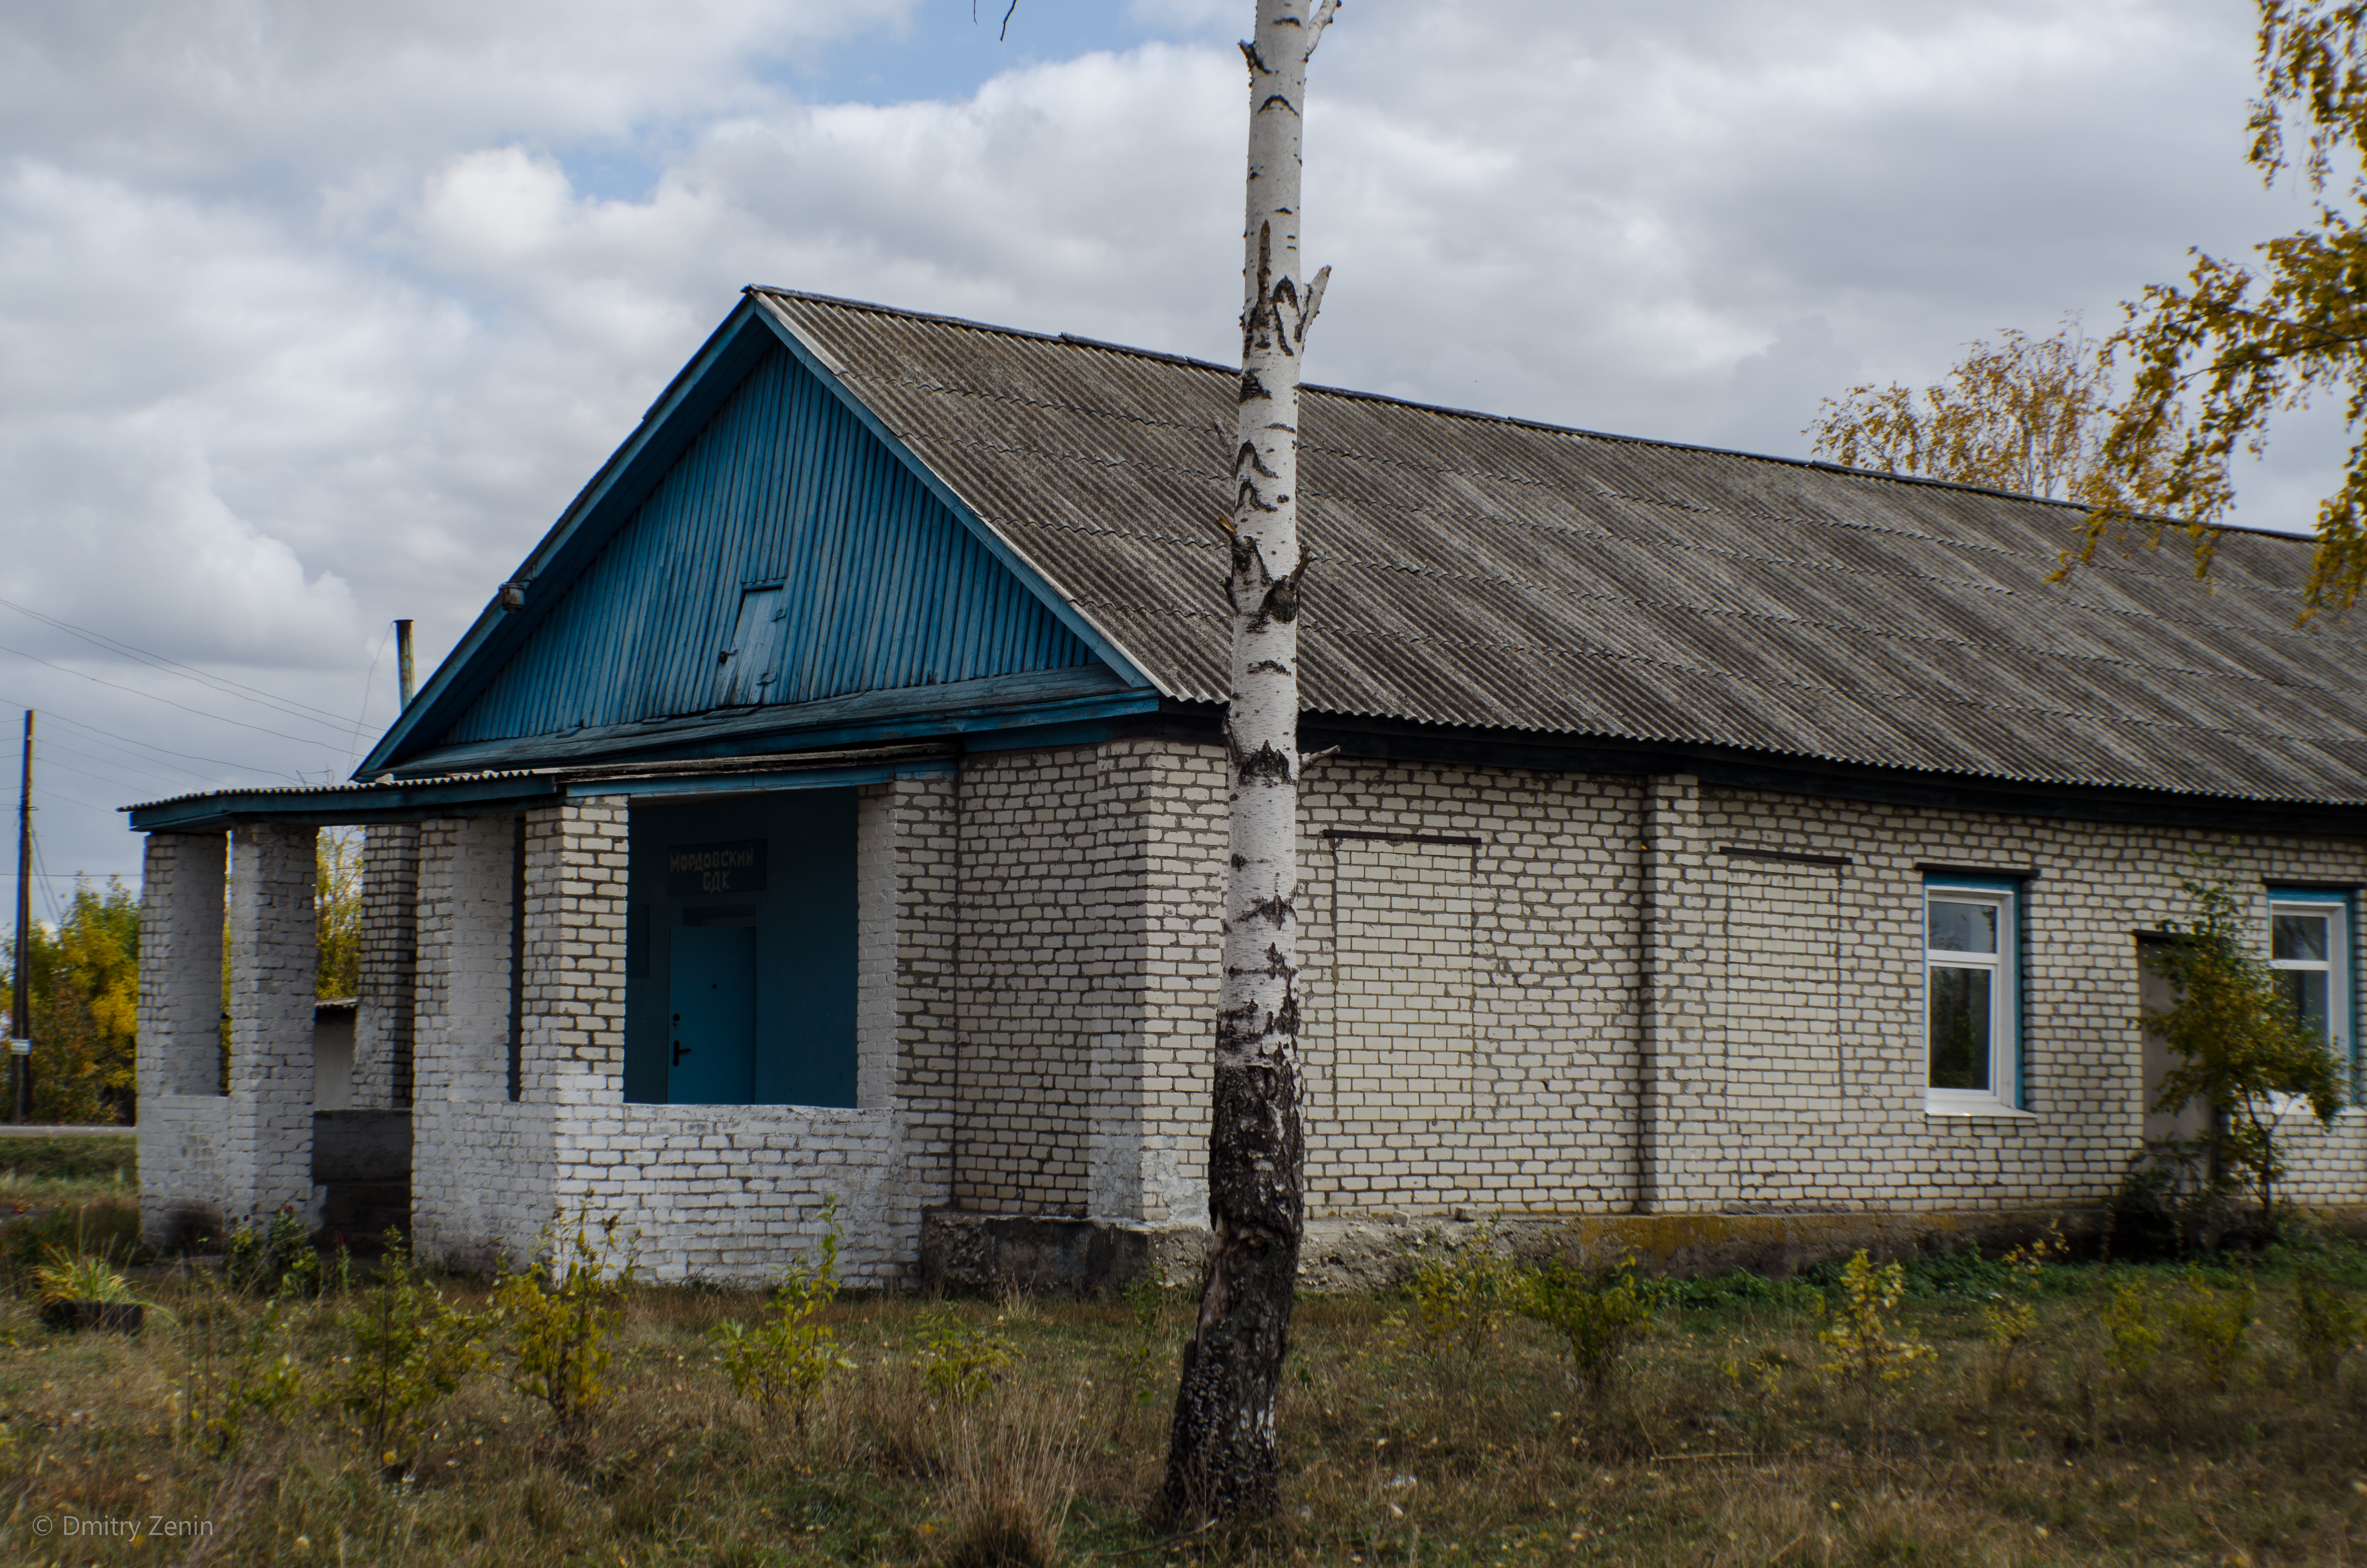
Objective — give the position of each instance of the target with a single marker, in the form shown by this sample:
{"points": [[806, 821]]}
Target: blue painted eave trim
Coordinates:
{"points": [[1019, 729], [737, 732], [743, 783], [400, 802], [845, 725], [814, 358]]}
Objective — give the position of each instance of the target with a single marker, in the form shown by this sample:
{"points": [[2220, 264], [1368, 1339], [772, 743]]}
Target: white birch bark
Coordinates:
{"points": [[1221, 1455]]}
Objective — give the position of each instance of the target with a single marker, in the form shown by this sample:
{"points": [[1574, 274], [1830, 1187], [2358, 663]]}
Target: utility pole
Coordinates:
{"points": [[21, 1001], [403, 657]]}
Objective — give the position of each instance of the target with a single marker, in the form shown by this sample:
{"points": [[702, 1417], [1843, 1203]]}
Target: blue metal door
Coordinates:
{"points": [[712, 1059]]}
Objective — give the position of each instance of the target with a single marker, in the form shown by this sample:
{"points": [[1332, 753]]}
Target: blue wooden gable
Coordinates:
{"points": [[778, 554], [875, 585]]}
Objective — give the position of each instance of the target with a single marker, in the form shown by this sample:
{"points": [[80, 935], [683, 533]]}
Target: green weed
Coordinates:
{"points": [[1599, 1314], [2326, 1326], [409, 1350], [1862, 1338], [1458, 1297], [562, 1313], [277, 1258], [2215, 1324], [2132, 1323], [783, 1362], [959, 1361]]}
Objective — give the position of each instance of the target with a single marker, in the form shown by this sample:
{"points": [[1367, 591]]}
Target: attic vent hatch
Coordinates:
{"points": [[744, 673]]}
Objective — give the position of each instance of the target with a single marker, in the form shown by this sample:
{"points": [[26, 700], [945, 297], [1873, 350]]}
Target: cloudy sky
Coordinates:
{"points": [[313, 316]]}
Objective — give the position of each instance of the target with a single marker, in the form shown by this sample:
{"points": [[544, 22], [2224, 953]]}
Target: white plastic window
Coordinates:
{"points": [[1970, 1006], [2309, 949]]}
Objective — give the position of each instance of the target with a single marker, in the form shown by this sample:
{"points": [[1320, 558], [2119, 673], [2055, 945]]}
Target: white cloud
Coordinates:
{"points": [[239, 95], [313, 316]]}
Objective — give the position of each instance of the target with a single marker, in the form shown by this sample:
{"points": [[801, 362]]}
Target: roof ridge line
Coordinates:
{"points": [[874, 308]]}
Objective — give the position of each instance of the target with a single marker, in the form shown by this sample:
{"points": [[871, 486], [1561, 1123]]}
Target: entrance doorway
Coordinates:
{"points": [[712, 1043], [740, 951]]}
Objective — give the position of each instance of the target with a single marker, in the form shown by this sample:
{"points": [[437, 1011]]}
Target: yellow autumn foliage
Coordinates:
{"points": [[84, 983]]}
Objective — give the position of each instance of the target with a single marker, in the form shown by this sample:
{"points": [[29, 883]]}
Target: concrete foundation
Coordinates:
{"points": [[1054, 1254]]}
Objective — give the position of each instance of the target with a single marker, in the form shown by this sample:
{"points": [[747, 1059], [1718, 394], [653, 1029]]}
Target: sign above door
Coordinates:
{"points": [[696, 869]]}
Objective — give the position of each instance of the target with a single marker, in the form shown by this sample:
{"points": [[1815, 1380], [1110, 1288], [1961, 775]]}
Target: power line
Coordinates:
{"points": [[41, 865], [50, 748], [71, 801], [111, 737], [119, 685], [86, 773], [51, 745], [228, 686], [150, 745], [353, 753]]}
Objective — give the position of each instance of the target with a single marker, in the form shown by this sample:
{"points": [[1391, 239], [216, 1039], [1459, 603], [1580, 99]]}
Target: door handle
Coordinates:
{"points": [[680, 1050]]}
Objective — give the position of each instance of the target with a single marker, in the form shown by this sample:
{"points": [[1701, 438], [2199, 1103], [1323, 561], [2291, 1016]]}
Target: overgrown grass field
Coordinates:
{"points": [[37, 1172], [1989, 1414]]}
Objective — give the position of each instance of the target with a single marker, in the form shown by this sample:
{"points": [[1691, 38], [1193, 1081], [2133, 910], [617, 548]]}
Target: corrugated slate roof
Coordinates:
{"points": [[1492, 572]]}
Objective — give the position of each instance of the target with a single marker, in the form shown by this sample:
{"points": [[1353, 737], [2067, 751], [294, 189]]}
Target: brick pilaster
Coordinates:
{"points": [[273, 964]]}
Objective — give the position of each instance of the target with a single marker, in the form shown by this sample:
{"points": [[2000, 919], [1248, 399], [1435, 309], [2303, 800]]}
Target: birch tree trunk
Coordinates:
{"points": [[1220, 1456]]}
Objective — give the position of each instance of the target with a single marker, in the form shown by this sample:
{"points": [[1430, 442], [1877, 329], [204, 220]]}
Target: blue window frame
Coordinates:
{"points": [[2310, 937], [1972, 995]]}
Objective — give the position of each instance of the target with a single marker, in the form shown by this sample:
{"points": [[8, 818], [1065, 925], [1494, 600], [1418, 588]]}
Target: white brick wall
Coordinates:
{"points": [[1034, 881], [1874, 1146], [1786, 951], [1401, 1049], [927, 928], [1585, 1009], [1658, 1027], [573, 1014], [482, 1167], [267, 1149], [382, 1023], [876, 818], [725, 1192], [180, 973], [729, 1192], [184, 1179], [1547, 896], [183, 1115], [1677, 970]]}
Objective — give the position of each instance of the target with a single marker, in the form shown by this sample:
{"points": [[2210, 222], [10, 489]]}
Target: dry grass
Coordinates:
{"points": [[1721, 1443], [1008, 1473]]}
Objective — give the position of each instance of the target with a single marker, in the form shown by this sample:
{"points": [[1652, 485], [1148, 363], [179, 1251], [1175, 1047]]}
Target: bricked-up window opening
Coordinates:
{"points": [[1972, 1003], [2309, 951], [1779, 1004], [517, 958], [1402, 1055]]}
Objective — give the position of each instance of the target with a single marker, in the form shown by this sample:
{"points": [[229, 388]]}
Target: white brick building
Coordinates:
{"points": [[1719, 850]]}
